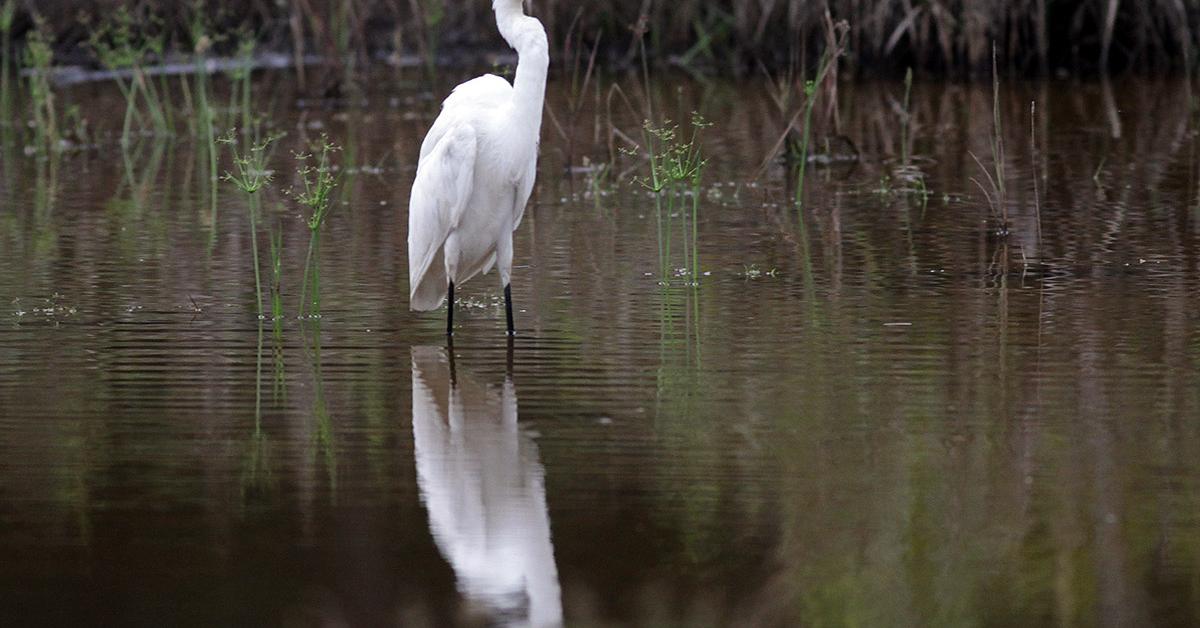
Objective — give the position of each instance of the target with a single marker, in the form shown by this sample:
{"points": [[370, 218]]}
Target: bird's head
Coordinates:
{"points": [[511, 5]]}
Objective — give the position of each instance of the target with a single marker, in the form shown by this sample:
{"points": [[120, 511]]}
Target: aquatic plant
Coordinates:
{"points": [[676, 169], [252, 174], [276, 275], [276, 237], [239, 75], [203, 124], [997, 198], [318, 178], [39, 56], [836, 35], [126, 43], [581, 74]]}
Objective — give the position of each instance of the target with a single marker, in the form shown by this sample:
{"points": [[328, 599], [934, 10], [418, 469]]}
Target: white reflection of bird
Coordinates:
{"points": [[476, 173], [484, 488]]}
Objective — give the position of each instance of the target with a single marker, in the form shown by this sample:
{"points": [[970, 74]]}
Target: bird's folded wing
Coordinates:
{"points": [[439, 196], [524, 189]]}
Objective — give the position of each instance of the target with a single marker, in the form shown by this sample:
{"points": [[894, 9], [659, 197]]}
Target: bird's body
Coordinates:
{"points": [[476, 172]]}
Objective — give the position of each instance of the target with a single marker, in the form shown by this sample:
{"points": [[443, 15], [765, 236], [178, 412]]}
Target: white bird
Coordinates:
{"points": [[476, 172]]}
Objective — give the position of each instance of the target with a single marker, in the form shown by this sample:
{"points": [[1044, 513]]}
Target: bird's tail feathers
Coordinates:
{"points": [[427, 288]]}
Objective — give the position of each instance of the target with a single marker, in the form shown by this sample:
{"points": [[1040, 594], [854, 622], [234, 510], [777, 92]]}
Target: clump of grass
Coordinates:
{"points": [[997, 198], [126, 43], [837, 37], [252, 174], [39, 56], [676, 169], [318, 178]]}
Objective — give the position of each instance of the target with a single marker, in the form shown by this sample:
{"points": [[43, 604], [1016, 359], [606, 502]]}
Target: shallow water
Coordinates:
{"points": [[873, 411]]}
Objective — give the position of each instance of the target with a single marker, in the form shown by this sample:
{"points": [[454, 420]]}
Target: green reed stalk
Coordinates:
{"points": [[998, 143], [125, 43], [277, 310], [254, 212], [676, 167], [276, 274], [245, 73], [40, 57], [168, 109], [696, 231], [239, 79], [318, 181], [251, 176], [201, 43], [189, 105], [158, 113], [204, 128], [810, 102]]}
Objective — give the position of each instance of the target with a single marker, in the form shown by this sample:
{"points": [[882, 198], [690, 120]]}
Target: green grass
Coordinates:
{"points": [[203, 123], [39, 56], [250, 175], [996, 191], [128, 43], [676, 170], [318, 179], [829, 60]]}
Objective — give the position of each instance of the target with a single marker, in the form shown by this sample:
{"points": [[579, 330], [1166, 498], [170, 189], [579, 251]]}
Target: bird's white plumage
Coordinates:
{"points": [[477, 169]]}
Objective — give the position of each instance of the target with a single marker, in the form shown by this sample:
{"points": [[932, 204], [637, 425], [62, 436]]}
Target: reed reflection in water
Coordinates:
{"points": [[482, 484]]}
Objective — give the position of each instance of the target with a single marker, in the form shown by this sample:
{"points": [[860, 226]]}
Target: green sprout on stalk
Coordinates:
{"points": [[318, 177], [676, 170], [252, 173], [319, 181], [251, 176]]}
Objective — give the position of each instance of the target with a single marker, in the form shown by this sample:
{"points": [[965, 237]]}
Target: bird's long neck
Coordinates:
{"points": [[527, 36]]}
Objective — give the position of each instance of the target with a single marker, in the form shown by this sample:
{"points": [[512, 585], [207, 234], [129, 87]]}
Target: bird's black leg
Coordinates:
{"points": [[512, 331], [508, 358], [450, 311]]}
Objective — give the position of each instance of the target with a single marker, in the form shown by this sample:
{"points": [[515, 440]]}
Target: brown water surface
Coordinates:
{"points": [[872, 411]]}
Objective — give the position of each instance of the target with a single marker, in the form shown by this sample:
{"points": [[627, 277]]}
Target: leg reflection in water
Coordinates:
{"points": [[482, 484]]}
